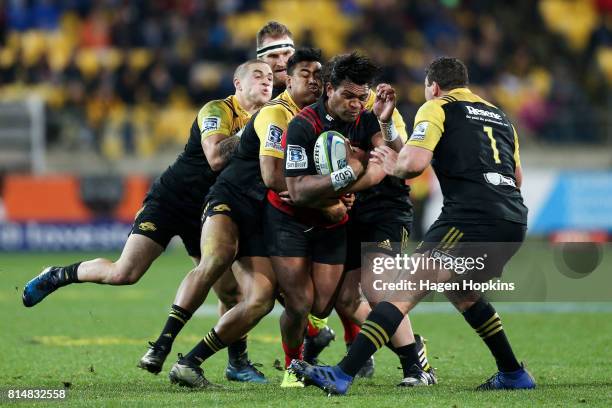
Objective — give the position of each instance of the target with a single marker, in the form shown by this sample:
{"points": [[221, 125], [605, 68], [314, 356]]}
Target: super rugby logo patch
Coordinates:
{"points": [[418, 134], [274, 138], [296, 157], [211, 123]]}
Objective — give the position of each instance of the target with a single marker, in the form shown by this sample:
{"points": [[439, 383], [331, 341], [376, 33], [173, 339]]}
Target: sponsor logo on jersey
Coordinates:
{"points": [[418, 134], [274, 137], [499, 179], [147, 226], [481, 112], [221, 208], [211, 123], [296, 157]]}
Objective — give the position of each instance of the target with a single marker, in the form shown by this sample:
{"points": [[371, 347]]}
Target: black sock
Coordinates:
{"points": [[483, 318], [70, 275], [408, 356], [209, 345], [381, 324], [237, 351], [177, 318]]}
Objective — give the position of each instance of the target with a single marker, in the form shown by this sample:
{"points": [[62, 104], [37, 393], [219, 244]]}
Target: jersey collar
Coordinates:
{"points": [[459, 90], [287, 98], [327, 119], [238, 108]]}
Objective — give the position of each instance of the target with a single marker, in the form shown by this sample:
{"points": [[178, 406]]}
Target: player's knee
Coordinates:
{"points": [[321, 310], [228, 296], [298, 309], [208, 271], [346, 304], [213, 265], [259, 307], [126, 274], [228, 301]]}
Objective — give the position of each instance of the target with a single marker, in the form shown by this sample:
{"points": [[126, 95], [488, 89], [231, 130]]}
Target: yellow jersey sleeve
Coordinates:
{"points": [[517, 155], [428, 126], [400, 125], [371, 99], [215, 117], [270, 124]]}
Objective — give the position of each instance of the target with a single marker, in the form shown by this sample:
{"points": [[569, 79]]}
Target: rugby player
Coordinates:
{"points": [[308, 254], [475, 154], [381, 214], [173, 207], [234, 211], [274, 46]]}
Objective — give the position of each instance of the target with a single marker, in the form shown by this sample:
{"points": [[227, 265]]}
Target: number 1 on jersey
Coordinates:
{"points": [[489, 131]]}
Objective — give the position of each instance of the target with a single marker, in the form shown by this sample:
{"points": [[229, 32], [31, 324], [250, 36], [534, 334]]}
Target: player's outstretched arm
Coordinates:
{"points": [[409, 163]]}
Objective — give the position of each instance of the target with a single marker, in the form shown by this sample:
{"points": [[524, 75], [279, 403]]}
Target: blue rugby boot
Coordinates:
{"points": [[244, 371], [332, 380], [514, 380], [49, 280]]}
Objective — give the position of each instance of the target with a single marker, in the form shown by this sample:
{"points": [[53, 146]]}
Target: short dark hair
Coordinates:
{"points": [[302, 54], [353, 67], [448, 72], [243, 68], [272, 29]]}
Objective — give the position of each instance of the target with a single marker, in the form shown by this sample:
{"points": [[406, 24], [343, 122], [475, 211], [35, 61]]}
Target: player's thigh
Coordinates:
{"points": [[256, 280], [155, 222], [195, 260], [138, 254], [294, 280], [326, 280], [219, 238]]}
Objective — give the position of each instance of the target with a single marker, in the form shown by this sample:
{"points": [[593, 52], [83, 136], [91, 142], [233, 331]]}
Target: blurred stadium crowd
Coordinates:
{"points": [[126, 77]]}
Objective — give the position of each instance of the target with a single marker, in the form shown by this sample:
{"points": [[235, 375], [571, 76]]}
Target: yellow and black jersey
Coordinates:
{"points": [[475, 154], [187, 180], [263, 136]]}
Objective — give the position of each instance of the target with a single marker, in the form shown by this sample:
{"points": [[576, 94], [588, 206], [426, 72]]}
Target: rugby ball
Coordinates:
{"points": [[329, 152]]}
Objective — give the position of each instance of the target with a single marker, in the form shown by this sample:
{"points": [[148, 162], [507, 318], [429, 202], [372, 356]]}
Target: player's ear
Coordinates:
{"points": [[435, 89], [237, 84], [329, 89], [288, 81]]}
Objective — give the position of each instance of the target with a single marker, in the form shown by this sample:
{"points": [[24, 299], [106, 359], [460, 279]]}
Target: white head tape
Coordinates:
{"points": [[275, 46]]}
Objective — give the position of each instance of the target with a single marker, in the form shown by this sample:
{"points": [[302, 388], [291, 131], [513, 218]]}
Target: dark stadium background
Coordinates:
{"points": [[97, 98]]}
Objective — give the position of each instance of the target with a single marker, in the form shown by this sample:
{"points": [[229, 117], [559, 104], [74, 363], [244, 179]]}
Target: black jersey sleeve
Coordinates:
{"points": [[299, 145], [369, 122]]}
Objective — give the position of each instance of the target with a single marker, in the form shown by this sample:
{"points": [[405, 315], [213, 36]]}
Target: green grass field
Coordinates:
{"points": [[91, 338]]}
